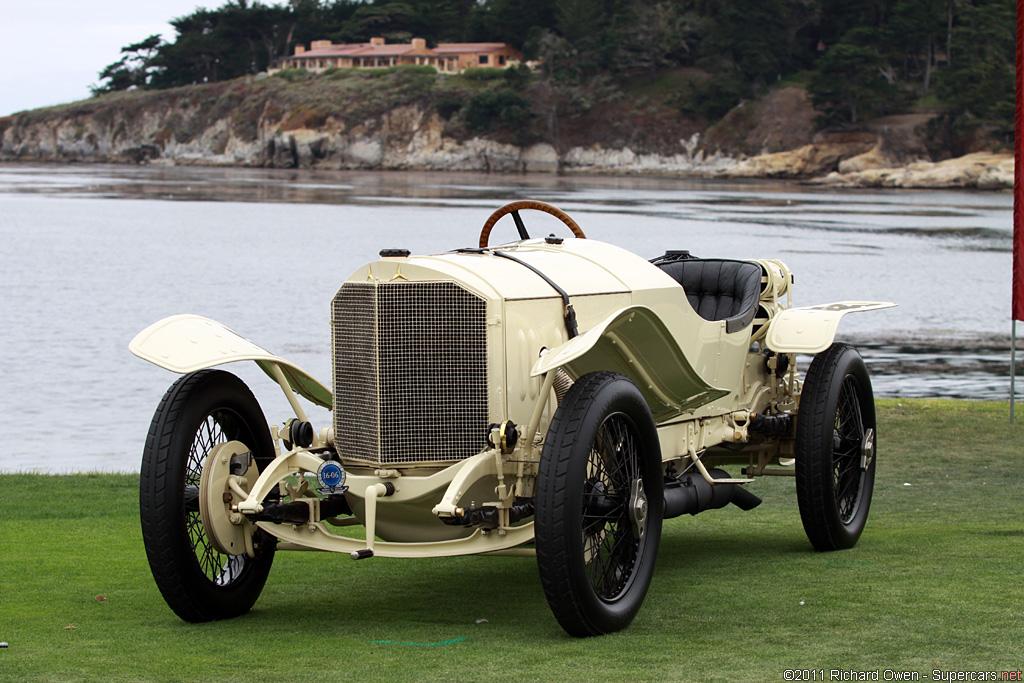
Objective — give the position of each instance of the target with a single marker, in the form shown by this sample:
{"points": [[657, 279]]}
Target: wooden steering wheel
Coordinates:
{"points": [[514, 209]]}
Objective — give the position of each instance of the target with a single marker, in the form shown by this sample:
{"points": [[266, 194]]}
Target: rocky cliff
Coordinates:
{"points": [[263, 124], [400, 125]]}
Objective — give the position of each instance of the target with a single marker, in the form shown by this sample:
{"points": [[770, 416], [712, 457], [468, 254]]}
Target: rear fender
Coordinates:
{"points": [[186, 343], [634, 341], [811, 329]]}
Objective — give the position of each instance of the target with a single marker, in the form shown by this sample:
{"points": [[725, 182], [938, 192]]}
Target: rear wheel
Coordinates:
{"points": [[198, 412], [835, 448], [599, 505]]}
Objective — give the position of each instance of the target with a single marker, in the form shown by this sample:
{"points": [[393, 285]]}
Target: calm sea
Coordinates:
{"points": [[93, 254]]}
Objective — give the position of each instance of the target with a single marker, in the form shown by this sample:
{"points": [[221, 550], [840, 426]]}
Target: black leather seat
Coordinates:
{"points": [[719, 289]]}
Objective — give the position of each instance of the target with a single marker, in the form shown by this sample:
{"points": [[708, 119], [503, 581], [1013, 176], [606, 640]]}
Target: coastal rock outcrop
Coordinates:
{"points": [[406, 138], [821, 156], [982, 171], [269, 123]]}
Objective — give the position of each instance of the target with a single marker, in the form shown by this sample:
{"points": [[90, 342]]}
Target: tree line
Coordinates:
{"points": [[857, 59]]}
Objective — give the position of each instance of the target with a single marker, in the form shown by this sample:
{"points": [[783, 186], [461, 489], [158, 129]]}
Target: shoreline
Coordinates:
{"points": [[413, 138], [979, 171], [391, 124]]}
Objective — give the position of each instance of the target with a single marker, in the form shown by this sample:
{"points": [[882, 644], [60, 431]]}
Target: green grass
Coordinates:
{"points": [[935, 583]]}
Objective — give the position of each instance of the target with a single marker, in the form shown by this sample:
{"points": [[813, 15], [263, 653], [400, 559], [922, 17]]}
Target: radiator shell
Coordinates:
{"points": [[410, 372]]}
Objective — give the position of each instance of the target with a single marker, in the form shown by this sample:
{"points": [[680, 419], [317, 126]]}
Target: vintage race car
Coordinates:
{"points": [[550, 397]]}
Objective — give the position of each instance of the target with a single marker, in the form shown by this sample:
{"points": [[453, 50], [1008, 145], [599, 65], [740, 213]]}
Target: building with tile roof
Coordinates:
{"points": [[446, 57]]}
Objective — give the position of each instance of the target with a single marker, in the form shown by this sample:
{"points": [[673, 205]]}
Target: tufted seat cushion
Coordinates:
{"points": [[719, 289]]}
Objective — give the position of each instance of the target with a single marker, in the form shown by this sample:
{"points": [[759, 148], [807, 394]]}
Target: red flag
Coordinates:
{"points": [[1017, 312]]}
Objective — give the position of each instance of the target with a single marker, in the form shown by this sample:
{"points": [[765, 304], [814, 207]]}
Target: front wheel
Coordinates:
{"points": [[199, 411], [599, 505], [835, 448]]}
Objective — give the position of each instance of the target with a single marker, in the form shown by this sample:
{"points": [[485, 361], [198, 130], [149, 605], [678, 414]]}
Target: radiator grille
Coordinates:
{"points": [[410, 372]]}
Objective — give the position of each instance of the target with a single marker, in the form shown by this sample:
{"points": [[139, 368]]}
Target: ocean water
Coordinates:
{"points": [[93, 254]]}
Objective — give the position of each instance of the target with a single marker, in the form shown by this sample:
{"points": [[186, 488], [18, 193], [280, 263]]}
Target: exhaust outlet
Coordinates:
{"points": [[690, 494]]}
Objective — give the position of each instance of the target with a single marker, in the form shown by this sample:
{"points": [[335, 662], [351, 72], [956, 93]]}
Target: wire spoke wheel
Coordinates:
{"points": [[610, 547], [219, 427], [835, 448], [846, 453], [599, 503], [198, 412]]}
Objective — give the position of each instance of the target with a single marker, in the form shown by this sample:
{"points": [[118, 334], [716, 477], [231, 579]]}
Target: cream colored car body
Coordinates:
{"points": [[703, 385]]}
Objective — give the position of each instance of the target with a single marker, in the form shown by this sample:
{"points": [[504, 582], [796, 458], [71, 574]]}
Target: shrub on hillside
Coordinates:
{"points": [[503, 108], [337, 73], [449, 103], [422, 69], [516, 77], [402, 70], [483, 73], [292, 75]]}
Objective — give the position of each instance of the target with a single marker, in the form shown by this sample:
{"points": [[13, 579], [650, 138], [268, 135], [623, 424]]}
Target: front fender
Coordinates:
{"points": [[186, 343], [634, 341], [811, 329]]}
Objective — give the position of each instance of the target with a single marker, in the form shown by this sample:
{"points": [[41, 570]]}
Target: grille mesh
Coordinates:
{"points": [[410, 372]]}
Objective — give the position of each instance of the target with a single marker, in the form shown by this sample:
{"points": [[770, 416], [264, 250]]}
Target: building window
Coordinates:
{"points": [[501, 60], [483, 59]]}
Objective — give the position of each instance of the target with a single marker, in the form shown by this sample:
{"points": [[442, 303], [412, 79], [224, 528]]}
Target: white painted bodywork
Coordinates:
{"points": [[702, 383], [187, 343], [812, 329], [525, 316], [635, 342]]}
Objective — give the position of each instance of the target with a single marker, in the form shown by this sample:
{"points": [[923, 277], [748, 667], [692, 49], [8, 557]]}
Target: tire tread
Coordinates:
{"points": [[186, 592], [815, 490], [554, 555]]}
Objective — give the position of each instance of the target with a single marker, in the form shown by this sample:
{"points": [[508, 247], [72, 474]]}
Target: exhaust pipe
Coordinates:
{"points": [[691, 494]]}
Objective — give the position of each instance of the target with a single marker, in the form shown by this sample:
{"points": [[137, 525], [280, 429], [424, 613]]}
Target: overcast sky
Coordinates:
{"points": [[51, 51]]}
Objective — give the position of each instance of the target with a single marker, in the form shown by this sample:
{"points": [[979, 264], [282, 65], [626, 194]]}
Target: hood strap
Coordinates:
{"points": [[569, 312]]}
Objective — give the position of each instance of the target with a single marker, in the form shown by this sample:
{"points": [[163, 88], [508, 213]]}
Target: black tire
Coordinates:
{"points": [[835, 425], [197, 412], [594, 568]]}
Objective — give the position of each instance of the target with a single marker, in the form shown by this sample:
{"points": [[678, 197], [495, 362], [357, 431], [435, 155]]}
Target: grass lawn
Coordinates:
{"points": [[935, 583]]}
